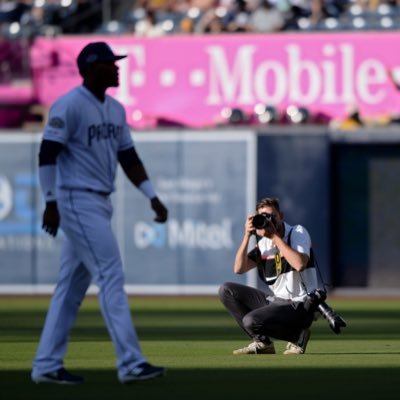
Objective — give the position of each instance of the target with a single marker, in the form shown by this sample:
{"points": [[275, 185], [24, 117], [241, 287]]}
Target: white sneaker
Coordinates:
{"points": [[256, 348], [301, 345]]}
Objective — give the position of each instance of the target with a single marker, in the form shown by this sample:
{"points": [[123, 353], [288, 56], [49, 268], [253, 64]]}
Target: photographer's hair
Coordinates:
{"points": [[268, 202]]}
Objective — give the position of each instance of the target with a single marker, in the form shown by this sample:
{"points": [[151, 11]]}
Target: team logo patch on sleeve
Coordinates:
{"points": [[57, 122]]}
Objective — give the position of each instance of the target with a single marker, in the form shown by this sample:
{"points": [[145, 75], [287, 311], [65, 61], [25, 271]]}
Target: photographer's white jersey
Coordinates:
{"points": [[291, 284]]}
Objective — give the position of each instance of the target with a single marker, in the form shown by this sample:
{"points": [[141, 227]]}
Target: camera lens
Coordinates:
{"points": [[259, 221], [334, 319]]}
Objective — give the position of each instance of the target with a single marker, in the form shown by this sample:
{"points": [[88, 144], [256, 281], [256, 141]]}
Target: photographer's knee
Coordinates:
{"points": [[249, 322], [224, 291]]}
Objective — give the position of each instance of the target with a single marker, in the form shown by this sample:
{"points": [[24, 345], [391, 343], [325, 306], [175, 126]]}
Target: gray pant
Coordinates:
{"points": [[261, 319], [90, 251]]}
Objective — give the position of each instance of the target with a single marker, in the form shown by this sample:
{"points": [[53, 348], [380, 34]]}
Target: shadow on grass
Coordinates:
{"points": [[238, 383], [364, 353], [173, 324]]}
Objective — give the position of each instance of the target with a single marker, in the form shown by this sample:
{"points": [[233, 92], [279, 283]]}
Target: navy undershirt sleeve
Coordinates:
{"points": [[49, 150], [128, 157]]}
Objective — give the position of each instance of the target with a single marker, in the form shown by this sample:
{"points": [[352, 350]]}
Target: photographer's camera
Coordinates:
{"points": [[316, 302], [262, 220]]}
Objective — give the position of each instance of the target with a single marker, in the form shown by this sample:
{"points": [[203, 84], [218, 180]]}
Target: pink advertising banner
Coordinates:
{"points": [[191, 79]]}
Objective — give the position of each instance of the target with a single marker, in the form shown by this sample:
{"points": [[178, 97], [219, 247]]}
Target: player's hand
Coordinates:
{"points": [[51, 218], [160, 210]]}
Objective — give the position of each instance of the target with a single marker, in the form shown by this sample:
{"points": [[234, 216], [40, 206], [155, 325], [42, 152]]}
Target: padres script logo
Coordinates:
{"points": [[103, 131]]}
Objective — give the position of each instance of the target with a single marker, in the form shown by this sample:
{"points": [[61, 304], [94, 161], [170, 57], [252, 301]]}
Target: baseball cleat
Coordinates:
{"points": [[256, 348], [143, 372], [59, 377]]}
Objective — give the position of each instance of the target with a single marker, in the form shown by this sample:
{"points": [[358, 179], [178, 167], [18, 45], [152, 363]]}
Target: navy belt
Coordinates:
{"points": [[101, 193], [97, 192]]}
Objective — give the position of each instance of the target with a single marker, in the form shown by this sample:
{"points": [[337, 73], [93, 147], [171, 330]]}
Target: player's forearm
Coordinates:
{"points": [[132, 166], [137, 174], [47, 179], [48, 153]]}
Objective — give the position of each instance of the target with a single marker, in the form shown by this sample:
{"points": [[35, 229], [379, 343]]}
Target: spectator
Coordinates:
{"points": [[266, 18], [210, 22], [148, 25], [239, 18]]}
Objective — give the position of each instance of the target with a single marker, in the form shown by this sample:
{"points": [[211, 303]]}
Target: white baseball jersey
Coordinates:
{"points": [[92, 133], [289, 284]]}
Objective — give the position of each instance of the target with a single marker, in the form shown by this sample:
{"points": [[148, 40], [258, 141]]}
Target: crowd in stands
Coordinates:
{"points": [[259, 16], [29, 18], [22, 21]]}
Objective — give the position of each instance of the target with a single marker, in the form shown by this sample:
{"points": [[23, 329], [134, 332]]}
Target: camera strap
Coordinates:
{"points": [[314, 261], [279, 266], [278, 263], [278, 257]]}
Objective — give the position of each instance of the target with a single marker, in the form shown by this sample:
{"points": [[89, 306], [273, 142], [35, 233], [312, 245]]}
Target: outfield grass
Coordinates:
{"points": [[194, 338]]}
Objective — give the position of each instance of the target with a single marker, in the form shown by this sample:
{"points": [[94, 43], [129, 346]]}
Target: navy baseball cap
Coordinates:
{"points": [[96, 52]]}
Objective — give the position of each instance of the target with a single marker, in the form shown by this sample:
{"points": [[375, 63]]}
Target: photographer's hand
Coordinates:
{"points": [[242, 262], [249, 228], [270, 231]]}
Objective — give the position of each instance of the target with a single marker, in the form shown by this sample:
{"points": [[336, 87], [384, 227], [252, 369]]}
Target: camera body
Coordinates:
{"points": [[316, 302], [262, 220]]}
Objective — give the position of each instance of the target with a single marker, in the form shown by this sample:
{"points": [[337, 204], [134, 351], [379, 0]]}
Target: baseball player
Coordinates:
{"points": [[84, 140]]}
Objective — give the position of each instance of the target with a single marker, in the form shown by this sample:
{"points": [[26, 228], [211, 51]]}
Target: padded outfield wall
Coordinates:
{"points": [[207, 179], [342, 186]]}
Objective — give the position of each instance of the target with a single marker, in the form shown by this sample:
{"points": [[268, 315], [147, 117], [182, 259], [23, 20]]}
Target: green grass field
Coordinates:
{"points": [[194, 338]]}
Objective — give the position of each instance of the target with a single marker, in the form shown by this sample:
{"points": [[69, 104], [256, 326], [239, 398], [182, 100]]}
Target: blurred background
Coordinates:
{"points": [[229, 101]]}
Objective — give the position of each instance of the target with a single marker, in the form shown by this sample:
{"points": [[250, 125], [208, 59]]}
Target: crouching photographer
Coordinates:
{"points": [[284, 261]]}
